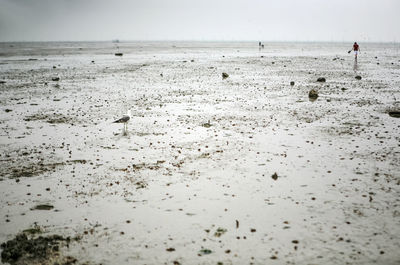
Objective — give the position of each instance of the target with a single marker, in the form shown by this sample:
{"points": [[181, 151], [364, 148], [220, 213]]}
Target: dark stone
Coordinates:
{"points": [[55, 79], [292, 83], [225, 75], [274, 176], [358, 77], [43, 207], [313, 94], [394, 114], [321, 79], [205, 251], [119, 54]]}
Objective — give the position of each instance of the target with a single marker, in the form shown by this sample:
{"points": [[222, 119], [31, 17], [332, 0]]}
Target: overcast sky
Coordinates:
{"points": [[274, 20]]}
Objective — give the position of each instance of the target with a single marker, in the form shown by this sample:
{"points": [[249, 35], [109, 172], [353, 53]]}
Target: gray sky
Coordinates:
{"points": [[274, 20]]}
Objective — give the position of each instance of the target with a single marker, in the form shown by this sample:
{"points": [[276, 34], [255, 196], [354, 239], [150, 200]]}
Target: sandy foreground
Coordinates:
{"points": [[242, 170]]}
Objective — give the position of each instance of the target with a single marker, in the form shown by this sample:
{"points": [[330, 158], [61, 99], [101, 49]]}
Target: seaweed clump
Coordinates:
{"points": [[40, 250]]}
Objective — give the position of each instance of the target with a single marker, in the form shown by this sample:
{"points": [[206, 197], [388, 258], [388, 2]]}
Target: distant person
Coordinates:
{"points": [[356, 49]]}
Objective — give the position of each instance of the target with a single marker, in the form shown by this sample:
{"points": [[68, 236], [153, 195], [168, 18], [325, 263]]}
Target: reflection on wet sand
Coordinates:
{"points": [[355, 66]]}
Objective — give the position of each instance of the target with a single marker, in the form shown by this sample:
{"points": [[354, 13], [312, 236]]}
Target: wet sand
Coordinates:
{"points": [[239, 170]]}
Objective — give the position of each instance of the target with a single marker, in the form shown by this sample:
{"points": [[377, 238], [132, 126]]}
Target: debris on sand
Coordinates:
{"points": [[292, 83], [50, 118], [274, 176], [8, 110], [207, 124], [313, 94], [358, 77], [225, 75], [41, 250], [220, 231], [43, 207], [32, 231], [204, 251], [394, 114], [119, 54], [321, 79], [2, 82], [55, 79]]}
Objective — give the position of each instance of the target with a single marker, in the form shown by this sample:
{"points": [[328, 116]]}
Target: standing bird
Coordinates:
{"points": [[125, 119]]}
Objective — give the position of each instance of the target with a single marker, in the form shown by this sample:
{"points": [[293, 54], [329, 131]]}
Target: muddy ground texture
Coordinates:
{"points": [[263, 165]]}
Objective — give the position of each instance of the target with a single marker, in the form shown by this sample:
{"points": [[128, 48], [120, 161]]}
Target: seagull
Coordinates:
{"points": [[125, 119]]}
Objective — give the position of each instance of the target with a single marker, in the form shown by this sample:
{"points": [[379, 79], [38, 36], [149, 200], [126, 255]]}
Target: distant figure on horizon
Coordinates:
{"points": [[356, 49]]}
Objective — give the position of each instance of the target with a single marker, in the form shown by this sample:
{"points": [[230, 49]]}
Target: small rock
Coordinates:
{"points": [[55, 79], [170, 249], [2, 82], [313, 94], [394, 114], [358, 77], [8, 110], [274, 176], [43, 207], [207, 125], [220, 231], [321, 79], [292, 83], [119, 54], [225, 75], [205, 251]]}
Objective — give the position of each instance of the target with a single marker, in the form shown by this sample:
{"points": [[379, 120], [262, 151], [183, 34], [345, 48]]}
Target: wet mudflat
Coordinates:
{"points": [[268, 164]]}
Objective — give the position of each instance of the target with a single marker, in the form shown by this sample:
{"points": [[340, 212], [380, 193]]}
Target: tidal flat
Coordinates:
{"points": [[233, 155]]}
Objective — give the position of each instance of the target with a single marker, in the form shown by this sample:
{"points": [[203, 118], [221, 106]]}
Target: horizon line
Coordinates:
{"points": [[185, 40]]}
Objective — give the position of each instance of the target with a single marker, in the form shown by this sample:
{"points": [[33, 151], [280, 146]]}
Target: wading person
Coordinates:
{"points": [[356, 49]]}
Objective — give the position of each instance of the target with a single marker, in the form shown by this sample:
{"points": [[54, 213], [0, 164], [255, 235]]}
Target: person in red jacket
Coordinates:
{"points": [[356, 49]]}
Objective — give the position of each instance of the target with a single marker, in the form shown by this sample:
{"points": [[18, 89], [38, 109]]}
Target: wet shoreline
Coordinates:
{"points": [[194, 180]]}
